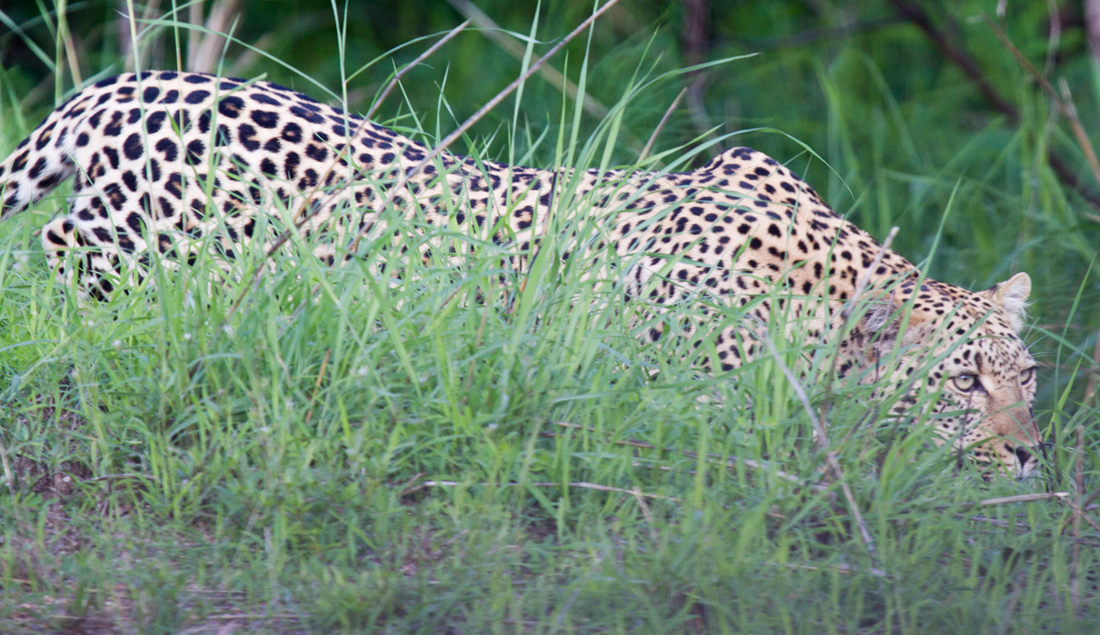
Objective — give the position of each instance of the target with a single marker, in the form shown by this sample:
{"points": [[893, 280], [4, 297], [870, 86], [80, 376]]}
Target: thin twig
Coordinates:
{"points": [[353, 246], [416, 62], [823, 441], [1079, 513], [970, 68], [299, 218], [661, 124], [493, 31], [1005, 500], [730, 461], [865, 277], [408, 484], [578, 484], [842, 567], [1075, 550], [1063, 100]]}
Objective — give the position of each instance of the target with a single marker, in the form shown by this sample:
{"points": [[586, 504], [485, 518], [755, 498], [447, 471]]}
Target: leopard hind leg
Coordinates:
{"points": [[94, 267]]}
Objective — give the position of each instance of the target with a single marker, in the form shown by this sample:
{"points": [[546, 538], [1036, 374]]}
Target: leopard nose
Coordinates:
{"points": [[1022, 455]]}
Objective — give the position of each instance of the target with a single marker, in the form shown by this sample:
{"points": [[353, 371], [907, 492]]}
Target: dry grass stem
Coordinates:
{"points": [[842, 567], [206, 47], [413, 64], [1005, 500], [300, 218], [353, 246], [65, 38], [1006, 621], [865, 277], [1092, 28], [640, 497], [9, 475], [1063, 100], [493, 31], [730, 461], [823, 441], [317, 384], [1075, 557], [578, 484], [661, 124]]}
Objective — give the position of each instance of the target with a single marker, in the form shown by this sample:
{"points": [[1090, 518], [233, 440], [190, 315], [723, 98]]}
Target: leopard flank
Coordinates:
{"points": [[170, 167]]}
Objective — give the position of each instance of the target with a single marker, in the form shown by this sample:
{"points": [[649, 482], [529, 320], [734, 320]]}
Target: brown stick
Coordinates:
{"points": [[660, 125], [917, 15]]}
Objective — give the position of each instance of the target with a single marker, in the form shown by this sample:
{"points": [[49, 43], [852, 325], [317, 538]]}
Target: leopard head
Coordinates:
{"points": [[979, 372]]}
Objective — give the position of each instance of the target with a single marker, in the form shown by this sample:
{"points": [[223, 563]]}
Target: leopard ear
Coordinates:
{"points": [[1011, 295], [883, 317], [880, 319], [882, 323]]}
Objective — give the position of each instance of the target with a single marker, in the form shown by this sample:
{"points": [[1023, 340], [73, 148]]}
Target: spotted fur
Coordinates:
{"points": [[189, 164]]}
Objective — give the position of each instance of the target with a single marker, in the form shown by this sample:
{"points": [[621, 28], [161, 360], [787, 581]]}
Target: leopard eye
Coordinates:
{"points": [[1026, 376], [965, 382]]}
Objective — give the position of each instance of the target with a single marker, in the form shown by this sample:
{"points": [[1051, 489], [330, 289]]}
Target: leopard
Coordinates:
{"points": [[174, 166]]}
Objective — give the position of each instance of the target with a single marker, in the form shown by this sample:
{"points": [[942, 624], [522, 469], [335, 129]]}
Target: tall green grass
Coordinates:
{"points": [[475, 450]]}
